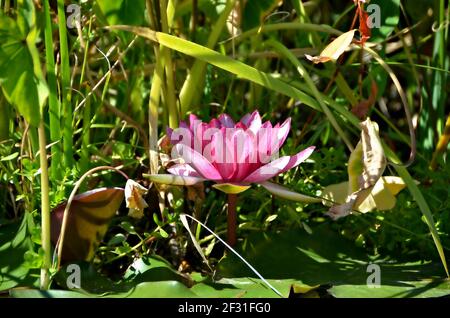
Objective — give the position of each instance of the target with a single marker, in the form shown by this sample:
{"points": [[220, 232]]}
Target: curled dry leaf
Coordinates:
{"points": [[88, 220], [366, 190], [335, 49], [134, 193]]}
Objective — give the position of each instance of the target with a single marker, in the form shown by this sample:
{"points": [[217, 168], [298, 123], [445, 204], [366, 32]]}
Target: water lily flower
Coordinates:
{"points": [[232, 155]]}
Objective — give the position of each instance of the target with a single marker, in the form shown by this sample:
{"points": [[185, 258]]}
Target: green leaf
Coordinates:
{"points": [[121, 11], [173, 180], [151, 268], [256, 11], [10, 157], [389, 11], [21, 87], [15, 242], [285, 193], [224, 62], [4, 119], [325, 257]]}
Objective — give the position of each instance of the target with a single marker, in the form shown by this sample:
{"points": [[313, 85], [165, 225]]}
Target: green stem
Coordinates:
{"points": [[54, 110], [65, 87], [168, 65], [232, 220], [45, 209]]}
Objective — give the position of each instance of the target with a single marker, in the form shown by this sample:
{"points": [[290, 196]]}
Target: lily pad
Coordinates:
{"points": [[326, 258]]}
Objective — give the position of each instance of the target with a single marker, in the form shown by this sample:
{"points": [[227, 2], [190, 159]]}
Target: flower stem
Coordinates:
{"points": [[231, 218], [45, 209]]}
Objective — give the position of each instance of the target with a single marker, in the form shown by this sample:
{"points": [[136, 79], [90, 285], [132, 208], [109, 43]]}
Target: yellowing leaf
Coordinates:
{"points": [[229, 188], [134, 193], [173, 179], [373, 159], [335, 49], [381, 197], [88, 220]]}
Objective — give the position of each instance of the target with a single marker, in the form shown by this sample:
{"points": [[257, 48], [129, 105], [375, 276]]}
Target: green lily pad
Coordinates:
{"points": [[326, 258], [165, 289]]}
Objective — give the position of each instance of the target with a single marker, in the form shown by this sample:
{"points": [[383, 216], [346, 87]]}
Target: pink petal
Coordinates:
{"points": [[183, 169], [226, 121], [254, 123], [278, 166], [280, 134], [197, 162], [222, 155]]}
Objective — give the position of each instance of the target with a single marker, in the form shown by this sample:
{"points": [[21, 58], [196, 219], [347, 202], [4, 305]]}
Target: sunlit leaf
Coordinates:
{"points": [[88, 220], [230, 188], [381, 196], [173, 179], [285, 193], [335, 49]]}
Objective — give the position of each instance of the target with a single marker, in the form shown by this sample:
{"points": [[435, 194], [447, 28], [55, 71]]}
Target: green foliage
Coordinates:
{"points": [[112, 100]]}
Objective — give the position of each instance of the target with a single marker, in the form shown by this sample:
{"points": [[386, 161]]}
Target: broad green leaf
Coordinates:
{"points": [[21, 87], [88, 220], [130, 12], [224, 62], [416, 289], [15, 241], [164, 289], [242, 288], [285, 193], [151, 268], [325, 257], [230, 188]]}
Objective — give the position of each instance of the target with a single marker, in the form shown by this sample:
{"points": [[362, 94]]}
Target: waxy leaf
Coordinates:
{"points": [[230, 188], [173, 179], [285, 193], [88, 220], [335, 49]]}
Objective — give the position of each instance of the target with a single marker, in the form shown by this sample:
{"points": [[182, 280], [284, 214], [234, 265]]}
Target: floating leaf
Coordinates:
{"points": [[88, 220], [134, 199], [335, 49]]}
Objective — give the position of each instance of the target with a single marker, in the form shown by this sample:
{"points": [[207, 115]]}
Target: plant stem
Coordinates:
{"points": [[231, 219], [65, 87], [167, 61], [54, 110], [45, 209]]}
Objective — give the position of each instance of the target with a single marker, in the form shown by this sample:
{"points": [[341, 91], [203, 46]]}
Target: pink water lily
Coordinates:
{"points": [[233, 155]]}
